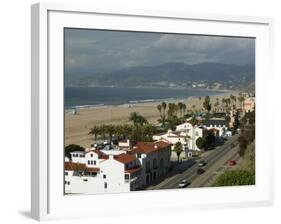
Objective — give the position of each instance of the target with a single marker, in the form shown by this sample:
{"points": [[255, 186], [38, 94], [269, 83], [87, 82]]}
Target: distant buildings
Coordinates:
{"points": [[249, 104]]}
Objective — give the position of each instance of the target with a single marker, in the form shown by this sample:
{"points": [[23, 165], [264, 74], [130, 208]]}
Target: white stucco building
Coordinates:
{"points": [[154, 158], [185, 133], [218, 125], [101, 171]]}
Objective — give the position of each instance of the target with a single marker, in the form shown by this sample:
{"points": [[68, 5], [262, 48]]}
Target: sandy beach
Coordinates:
{"points": [[78, 126]]}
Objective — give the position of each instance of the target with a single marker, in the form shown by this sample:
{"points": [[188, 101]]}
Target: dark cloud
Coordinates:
{"points": [[105, 51]]}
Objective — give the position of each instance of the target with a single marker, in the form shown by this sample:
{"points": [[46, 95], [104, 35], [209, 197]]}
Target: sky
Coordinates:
{"points": [[99, 51]]}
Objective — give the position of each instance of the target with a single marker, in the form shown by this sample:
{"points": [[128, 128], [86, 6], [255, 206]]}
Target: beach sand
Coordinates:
{"points": [[78, 126]]}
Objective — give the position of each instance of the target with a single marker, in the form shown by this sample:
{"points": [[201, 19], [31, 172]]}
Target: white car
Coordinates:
{"points": [[183, 184]]}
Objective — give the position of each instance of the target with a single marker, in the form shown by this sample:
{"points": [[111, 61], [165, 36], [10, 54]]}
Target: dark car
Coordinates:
{"points": [[202, 163], [200, 171]]}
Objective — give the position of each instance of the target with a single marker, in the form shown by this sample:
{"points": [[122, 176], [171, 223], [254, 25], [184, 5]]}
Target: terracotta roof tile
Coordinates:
{"points": [[74, 166], [101, 155], [133, 170], [125, 158], [92, 169], [149, 147]]}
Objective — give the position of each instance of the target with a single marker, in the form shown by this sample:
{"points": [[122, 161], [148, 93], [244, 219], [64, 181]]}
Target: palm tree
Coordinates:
{"points": [[159, 108], [241, 100], [193, 106], [164, 106], [95, 131], [180, 108], [110, 130], [137, 119], [178, 149], [184, 108], [134, 118], [103, 131]]}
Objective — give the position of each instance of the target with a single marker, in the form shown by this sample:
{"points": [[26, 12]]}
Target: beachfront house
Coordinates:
{"points": [[110, 173], [218, 125], [100, 171], [154, 158], [186, 134], [193, 131]]}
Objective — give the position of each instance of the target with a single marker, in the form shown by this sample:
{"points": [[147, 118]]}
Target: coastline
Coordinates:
{"points": [[135, 102], [78, 126]]}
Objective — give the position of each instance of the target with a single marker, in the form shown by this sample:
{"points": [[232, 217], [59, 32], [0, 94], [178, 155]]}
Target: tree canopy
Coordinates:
{"points": [[235, 177], [72, 148]]}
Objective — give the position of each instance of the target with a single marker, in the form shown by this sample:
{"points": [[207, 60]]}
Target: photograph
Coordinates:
{"points": [[157, 111]]}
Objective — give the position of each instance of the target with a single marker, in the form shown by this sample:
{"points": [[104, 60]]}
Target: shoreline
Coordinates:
{"points": [[145, 101], [78, 125]]}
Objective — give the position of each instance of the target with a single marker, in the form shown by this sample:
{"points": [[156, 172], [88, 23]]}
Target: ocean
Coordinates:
{"points": [[75, 97]]}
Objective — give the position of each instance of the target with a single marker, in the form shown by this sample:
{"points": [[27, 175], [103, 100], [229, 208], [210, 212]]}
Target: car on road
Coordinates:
{"points": [[184, 183], [202, 163], [231, 162], [200, 171]]}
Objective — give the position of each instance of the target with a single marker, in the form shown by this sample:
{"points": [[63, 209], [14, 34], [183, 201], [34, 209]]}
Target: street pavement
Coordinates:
{"points": [[216, 161]]}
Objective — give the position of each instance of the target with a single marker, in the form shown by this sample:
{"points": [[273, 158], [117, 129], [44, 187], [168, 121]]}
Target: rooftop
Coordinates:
{"points": [[216, 122], [125, 158], [74, 166], [149, 147], [133, 170]]}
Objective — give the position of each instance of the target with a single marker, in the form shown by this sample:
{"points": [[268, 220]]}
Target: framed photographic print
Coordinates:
{"points": [[160, 110]]}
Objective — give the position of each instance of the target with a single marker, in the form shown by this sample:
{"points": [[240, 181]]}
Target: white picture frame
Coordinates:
{"points": [[48, 201]]}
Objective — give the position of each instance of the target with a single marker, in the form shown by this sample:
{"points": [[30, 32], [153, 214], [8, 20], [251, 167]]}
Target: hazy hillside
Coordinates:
{"points": [[176, 74]]}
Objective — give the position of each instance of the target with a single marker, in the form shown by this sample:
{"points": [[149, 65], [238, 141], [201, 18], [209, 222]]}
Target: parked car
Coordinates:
{"points": [[231, 162], [202, 163], [184, 183], [200, 171]]}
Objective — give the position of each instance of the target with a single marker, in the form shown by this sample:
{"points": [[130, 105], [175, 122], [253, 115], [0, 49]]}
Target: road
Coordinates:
{"points": [[216, 160]]}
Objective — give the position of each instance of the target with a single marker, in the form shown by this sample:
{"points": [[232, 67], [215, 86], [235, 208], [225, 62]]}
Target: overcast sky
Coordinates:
{"points": [[104, 51]]}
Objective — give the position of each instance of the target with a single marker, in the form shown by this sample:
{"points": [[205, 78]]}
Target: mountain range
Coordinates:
{"points": [[176, 74]]}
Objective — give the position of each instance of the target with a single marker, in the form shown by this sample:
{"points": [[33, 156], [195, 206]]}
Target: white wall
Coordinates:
{"points": [[15, 110], [115, 180]]}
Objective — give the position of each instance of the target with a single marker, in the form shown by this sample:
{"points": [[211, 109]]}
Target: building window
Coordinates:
{"points": [[89, 162], [95, 162], [127, 177], [85, 180], [105, 185], [91, 155], [161, 162], [81, 155], [66, 173], [92, 162], [104, 176], [196, 133], [139, 156], [154, 163], [147, 166]]}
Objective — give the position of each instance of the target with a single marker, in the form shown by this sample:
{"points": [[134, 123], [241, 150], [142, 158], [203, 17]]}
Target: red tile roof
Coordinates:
{"points": [[101, 155], [74, 166], [149, 147], [125, 158], [133, 170], [79, 167], [92, 169]]}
